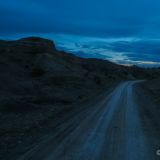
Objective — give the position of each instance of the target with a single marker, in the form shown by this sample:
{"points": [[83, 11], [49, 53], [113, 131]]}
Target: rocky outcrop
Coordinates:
{"points": [[31, 45]]}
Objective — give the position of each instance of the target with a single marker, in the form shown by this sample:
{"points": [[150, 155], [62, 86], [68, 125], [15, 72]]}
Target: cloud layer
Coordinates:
{"points": [[101, 18], [127, 51]]}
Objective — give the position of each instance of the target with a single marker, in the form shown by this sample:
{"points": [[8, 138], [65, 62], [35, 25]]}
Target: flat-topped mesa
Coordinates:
{"points": [[31, 45]]}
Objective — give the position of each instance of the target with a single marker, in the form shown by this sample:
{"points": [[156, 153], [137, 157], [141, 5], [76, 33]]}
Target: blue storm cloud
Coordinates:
{"points": [[118, 18]]}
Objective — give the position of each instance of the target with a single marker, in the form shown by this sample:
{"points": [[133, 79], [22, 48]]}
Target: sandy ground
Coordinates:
{"points": [[113, 128]]}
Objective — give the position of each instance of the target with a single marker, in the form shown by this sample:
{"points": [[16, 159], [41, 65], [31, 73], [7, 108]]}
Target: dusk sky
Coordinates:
{"points": [[123, 31]]}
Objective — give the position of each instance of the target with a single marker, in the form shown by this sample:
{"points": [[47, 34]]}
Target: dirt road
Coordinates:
{"points": [[110, 130]]}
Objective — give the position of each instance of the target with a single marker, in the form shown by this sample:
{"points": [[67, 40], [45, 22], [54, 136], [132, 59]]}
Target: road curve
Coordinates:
{"points": [[111, 130]]}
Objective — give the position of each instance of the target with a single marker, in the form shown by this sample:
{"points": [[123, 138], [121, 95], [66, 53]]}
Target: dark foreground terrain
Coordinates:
{"points": [[47, 92]]}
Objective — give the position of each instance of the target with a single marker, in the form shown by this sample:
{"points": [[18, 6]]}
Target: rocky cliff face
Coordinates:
{"points": [[31, 45]]}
